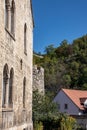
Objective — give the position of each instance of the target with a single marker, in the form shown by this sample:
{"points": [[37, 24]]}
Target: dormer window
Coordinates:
{"points": [[83, 100], [85, 103]]}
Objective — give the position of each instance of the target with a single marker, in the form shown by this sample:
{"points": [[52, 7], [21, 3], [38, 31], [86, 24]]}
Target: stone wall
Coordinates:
{"points": [[16, 116], [38, 79]]}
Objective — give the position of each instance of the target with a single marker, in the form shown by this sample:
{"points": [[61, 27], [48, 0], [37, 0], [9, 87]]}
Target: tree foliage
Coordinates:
{"points": [[65, 65], [43, 106]]}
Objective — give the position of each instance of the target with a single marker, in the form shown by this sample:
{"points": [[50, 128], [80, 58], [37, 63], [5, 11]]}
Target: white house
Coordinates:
{"points": [[74, 103]]}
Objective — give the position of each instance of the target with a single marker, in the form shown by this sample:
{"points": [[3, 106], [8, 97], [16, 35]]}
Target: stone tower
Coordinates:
{"points": [[16, 38], [38, 79]]}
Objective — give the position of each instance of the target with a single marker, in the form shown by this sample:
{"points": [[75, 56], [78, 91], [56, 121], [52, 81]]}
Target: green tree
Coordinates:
{"points": [[45, 111], [67, 80], [46, 115], [49, 49], [65, 65]]}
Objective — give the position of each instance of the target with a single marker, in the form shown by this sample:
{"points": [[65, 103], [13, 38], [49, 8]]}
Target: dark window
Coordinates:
{"points": [[21, 62], [65, 106], [11, 87], [7, 8], [5, 84], [24, 87], [25, 39], [13, 17]]}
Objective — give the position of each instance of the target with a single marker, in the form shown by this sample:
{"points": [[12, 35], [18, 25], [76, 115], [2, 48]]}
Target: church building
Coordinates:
{"points": [[16, 43]]}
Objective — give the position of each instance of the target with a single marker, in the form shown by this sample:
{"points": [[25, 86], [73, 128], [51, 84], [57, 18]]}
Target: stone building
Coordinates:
{"points": [[38, 79], [16, 38]]}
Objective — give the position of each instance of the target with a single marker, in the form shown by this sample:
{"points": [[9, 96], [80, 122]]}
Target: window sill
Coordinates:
{"points": [[11, 35], [7, 109]]}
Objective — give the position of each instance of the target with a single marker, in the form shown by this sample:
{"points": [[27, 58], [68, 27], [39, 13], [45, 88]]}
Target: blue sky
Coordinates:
{"points": [[57, 20]]}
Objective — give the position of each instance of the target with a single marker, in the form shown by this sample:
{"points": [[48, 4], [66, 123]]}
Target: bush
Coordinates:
{"points": [[38, 126]]}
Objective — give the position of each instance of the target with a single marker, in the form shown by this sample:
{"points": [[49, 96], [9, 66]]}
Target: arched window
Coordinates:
{"points": [[5, 85], [7, 9], [25, 38], [13, 17], [24, 89], [10, 100]]}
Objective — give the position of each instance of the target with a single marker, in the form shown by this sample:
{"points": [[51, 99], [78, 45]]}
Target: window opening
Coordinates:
{"points": [[25, 39], [21, 63], [13, 17], [24, 87], [65, 106], [5, 83], [11, 87], [7, 10]]}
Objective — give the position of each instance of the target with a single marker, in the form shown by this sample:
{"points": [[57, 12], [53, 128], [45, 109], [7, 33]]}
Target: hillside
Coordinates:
{"points": [[66, 65]]}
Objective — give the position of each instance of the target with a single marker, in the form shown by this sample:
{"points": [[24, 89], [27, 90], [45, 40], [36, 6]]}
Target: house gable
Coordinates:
{"points": [[72, 101], [76, 96], [66, 104]]}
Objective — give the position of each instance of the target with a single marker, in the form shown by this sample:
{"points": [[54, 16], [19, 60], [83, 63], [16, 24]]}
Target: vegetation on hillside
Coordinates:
{"points": [[66, 65]]}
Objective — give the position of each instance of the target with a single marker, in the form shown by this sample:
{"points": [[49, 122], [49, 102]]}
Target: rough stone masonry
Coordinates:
{"points": [[16, 38], [38, 79]]}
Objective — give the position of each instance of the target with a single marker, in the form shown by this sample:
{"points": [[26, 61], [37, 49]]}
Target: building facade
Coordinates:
{"points": [[16, 38]]}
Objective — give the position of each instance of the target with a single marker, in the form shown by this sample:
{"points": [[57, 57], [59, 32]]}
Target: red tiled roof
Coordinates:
{"points": [[75, 96]]}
